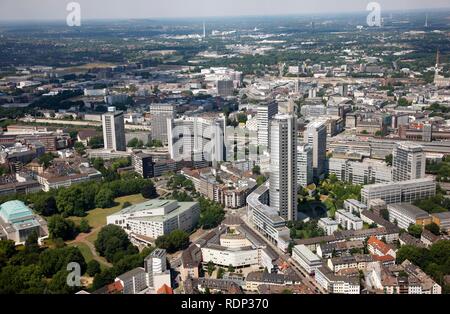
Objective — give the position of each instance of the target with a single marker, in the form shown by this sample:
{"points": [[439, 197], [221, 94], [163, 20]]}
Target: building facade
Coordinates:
{"points": [[408, 162], [114, 130], [159, 115], [316, 136], [283, 166]]}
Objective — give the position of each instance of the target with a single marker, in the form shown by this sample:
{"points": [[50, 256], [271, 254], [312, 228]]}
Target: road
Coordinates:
{"points": [[307, 280]]}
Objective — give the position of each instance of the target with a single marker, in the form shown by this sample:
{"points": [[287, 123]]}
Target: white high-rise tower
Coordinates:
{"points": [[114, 130], [316, 136], [265, 113], [408, 162]]}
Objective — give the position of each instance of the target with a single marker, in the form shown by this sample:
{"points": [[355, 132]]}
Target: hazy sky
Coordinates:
{"points": [[92, 9]]}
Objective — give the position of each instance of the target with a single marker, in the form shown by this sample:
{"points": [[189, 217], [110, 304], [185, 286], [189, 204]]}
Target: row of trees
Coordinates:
{"points": [[137, 143], [77, 199], [434, 261]]}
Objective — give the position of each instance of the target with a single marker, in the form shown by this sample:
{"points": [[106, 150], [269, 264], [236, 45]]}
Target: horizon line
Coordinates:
{"points": [[198, 17]]}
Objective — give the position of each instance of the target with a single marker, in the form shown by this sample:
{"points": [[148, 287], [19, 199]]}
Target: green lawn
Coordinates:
{"points": [[87, 254], [97, 217], [84, 249]]}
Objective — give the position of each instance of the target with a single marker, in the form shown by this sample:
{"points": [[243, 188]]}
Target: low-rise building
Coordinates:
{"points": [[133, 281], [235, 244], [49, 182], [358, 261], [442, 220], [328, 225], [337, 284], [306, 258], [389, 234], [379, 248], [255, 279], [155, 218], [17, 223], [348, 221], [191, 259], [266, 219], [353, 205], [404, 215], [405, 278], [328, 250], [231, 190], [398, 192]]}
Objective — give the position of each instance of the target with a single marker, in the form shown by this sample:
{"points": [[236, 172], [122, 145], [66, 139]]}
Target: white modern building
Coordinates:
{"points": [[399, 192], [353, 206], [408, 162], [316, 136], [155, 266], [405, 214], [306, 258], [235, 244], [264, 114], [197, 138], [114, 130], [159, 115], [328, 225], [266, 219], [348, 221], [304, 165], [368, 171], [283, 165], [155, 218]]}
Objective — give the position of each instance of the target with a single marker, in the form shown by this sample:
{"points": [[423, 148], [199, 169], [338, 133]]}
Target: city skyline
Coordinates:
{"points": [[297, 154]]}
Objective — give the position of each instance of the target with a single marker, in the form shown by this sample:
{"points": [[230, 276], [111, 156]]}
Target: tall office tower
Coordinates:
{"points": [[155, 263], [408, 162], [265, 113], [143, 164], [197, 138], [225, 88], [114, 130], [159, 115], [316, 136], [343, 90], [283, 165], [312, 93], [427, 132], [304, 165]]}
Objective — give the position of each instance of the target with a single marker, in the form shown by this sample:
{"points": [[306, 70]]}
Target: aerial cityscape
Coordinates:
{"points": [[278, 152]]}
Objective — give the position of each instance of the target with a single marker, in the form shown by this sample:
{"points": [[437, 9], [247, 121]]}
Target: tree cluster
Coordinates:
{"points": [[211, 213], [434, 261], [174, 241], [34, 270]]}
